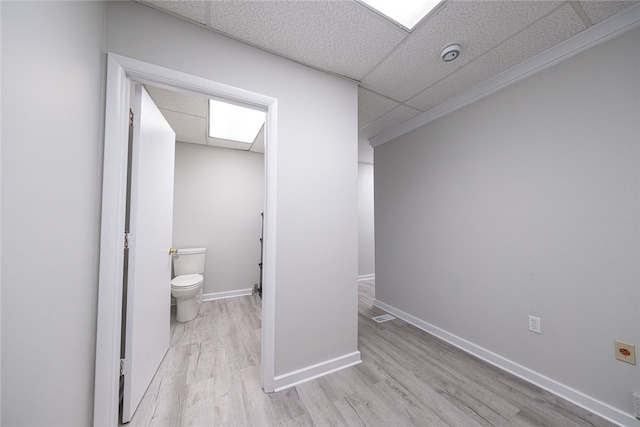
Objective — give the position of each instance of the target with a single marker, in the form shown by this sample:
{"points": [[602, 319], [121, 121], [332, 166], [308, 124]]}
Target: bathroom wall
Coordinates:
{"points": [[366, 240], [218, 198], [526, 203]]}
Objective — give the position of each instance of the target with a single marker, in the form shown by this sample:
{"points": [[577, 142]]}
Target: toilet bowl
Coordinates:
{"points": [[187, 291], [187, 284]]}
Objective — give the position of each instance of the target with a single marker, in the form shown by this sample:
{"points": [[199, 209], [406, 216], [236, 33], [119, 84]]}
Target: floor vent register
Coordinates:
{"points": [[383, 318]]}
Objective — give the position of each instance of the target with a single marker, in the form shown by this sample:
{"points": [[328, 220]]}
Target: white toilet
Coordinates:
{"points": [[186, 285]]}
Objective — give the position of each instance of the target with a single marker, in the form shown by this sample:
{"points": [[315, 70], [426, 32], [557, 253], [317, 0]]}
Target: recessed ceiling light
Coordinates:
{"points": [[407, 13], [233, 122]]}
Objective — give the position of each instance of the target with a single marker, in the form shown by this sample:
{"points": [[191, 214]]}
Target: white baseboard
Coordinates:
{"points": [[312, 372], [366, 277], [221, 295], [227, 294], [602, 409]]}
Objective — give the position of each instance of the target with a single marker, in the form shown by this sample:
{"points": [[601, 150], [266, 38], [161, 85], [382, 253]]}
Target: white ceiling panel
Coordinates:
{"points": [[225, 143], [391, 119], [552, 29], [601, 10], [476, 25], [193, 10], [400, 73], [187, 115], [372, 106], [178, 101], [188, 128], [341, 36]]}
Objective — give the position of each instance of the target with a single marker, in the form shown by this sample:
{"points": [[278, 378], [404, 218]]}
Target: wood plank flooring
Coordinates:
{"points": [[210, 377]]}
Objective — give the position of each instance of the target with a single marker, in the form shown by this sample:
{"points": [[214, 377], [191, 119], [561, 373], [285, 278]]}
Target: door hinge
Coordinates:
{"points": [[130, 117], [124, 366], [128, 240]]}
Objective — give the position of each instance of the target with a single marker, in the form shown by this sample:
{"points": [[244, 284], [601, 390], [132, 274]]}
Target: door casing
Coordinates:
{"points": [[121, 71]]}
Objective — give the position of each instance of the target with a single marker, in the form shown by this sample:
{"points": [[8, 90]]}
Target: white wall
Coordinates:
{"points": [[0, 219], [317, 211], [53, 77], [526, 202], [52, 95], [218, 198], [366, 240]]}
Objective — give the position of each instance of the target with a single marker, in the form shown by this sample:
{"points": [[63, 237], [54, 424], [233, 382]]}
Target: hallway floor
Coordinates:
{"points": [[211, 377]]}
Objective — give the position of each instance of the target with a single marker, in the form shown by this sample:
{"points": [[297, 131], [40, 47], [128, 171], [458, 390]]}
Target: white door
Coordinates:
{"points": [[148, 293]]}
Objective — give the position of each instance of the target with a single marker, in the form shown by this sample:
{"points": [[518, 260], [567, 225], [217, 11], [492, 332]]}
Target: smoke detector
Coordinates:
{"points": [[450, 52]]}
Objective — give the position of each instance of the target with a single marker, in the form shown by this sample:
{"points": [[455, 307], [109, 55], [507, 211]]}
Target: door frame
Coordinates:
{"points": [[121, 71]]}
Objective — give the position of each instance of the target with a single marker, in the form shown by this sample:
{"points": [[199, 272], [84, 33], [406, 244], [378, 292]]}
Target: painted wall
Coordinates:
{"points": [[366, 240], [317, 211], [218, 198], [53, 77], [0, 219], [526, 202], [52, 95]]}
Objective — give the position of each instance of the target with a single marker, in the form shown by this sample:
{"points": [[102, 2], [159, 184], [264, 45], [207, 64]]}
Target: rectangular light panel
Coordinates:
{"points": [[233, 122], [404, 12]]}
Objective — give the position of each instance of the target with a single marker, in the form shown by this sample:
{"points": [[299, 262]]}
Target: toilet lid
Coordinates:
{"points": [[186, 280]]}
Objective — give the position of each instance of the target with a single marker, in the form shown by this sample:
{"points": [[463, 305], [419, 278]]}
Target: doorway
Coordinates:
{"points": [[121, 72], [218, 187]]}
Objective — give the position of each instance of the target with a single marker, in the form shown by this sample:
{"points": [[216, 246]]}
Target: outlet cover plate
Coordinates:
{"points": [[625, 352], [535, 324]]}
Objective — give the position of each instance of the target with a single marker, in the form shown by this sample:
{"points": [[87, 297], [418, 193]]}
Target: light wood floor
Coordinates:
{"points": [[210, 376]]}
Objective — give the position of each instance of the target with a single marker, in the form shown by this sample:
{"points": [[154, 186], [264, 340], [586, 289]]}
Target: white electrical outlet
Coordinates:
{"points": [[535, 324], [636, 404]]}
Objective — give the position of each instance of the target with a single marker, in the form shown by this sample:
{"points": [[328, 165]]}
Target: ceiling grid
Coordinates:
{"points": [[400, 73]]}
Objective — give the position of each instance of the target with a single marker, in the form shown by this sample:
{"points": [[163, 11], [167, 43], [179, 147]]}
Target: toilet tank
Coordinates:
{"points": [[189, 261]]}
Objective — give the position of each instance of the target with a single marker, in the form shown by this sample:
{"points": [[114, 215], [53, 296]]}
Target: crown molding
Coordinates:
{"points": [[597, 34]]}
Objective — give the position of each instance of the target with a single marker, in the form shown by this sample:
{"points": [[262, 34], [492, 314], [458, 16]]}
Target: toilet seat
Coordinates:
{"points": [[187, 281]]}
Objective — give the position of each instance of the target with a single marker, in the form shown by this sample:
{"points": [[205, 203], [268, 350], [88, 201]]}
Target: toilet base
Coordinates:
{"points": [[188, 308]]}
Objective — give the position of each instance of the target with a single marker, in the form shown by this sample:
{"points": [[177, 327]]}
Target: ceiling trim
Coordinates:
{"points": [[599, 33]]}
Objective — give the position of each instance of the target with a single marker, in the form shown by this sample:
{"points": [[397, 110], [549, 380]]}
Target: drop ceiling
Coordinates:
{"points": [[399, 73], [187, 114]]}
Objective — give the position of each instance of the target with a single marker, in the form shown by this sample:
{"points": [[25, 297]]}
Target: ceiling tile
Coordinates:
{"points": [[601, 10], [476, 25], [389, 120], [178, 101], [372, 106], [341, 36], [226, 143], [193, 10], [188, 128], [552, 29]]}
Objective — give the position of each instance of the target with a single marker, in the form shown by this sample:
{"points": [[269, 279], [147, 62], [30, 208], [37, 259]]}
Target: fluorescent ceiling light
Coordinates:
{"points": [[229, 121], [405, 12]]}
